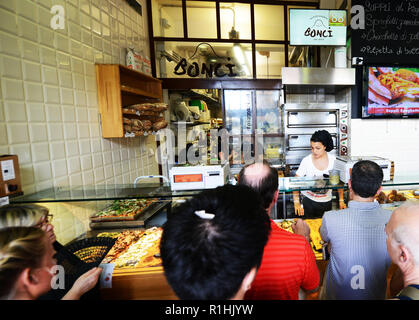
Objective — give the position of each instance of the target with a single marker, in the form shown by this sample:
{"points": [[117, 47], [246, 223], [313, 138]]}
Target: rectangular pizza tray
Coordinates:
{"points": [[116, 218], [139, 222]]}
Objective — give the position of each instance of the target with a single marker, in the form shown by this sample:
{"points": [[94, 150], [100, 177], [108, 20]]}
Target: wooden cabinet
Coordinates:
{"points": [[119, 86], [139, 284]]}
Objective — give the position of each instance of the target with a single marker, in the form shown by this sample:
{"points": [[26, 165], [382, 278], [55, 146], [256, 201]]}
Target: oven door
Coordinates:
{"points": [[312, 118], [297, 142]]}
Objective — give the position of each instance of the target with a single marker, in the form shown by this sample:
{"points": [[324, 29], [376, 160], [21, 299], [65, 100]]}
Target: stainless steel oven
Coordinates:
{"points": [[302, 120]]}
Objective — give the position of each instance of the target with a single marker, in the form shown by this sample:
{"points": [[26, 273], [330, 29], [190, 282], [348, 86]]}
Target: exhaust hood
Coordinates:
{"points": [[318, 76]]}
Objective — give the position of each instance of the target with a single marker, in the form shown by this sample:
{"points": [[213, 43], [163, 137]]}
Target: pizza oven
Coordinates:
{"points": [[302, 120]]}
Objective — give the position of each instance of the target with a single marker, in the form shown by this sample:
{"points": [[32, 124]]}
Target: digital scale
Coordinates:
{"points": [[345, 163], [195, 177]]}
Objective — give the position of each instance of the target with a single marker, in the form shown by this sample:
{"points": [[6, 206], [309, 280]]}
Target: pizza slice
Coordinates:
{"points": [[139, 250], [315, 236], [125, 239]]}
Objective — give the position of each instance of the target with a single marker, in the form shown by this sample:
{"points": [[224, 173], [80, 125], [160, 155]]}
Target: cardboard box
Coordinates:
{"points": [[10, 184]]}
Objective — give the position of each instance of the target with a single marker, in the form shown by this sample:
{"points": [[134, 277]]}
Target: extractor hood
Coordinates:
{"points": [[318, 76]]}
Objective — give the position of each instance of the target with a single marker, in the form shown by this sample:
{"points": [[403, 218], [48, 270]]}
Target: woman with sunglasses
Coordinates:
{"points": [[31, 215]]}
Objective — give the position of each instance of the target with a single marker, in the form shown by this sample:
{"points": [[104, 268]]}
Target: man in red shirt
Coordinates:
{"points": [[288, 262]]}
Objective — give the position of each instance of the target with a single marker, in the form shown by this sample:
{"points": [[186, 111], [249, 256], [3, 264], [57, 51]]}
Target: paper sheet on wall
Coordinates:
{"points": [[7, 170], [4, 201]]}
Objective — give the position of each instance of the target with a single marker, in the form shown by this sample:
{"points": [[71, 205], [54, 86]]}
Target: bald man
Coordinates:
{"points": [[288, 262], [402, 232]]}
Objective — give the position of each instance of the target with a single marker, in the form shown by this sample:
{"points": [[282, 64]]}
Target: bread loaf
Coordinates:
{"points": [[159, 125], [147, 124], [137, 123], [156, 107]]}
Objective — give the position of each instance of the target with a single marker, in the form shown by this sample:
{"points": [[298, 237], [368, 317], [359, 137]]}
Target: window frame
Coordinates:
{"points": [[252, 41]]}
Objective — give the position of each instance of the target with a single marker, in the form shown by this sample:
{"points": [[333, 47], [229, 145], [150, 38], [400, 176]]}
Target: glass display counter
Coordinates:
{"points": [[71, 205], [163, 192], [288, 185]]}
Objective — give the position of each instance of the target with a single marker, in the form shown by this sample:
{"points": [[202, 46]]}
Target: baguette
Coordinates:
{"points": [[159, 125]]}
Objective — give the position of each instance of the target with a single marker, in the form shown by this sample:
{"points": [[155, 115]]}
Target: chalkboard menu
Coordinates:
{"points": [[391, 33]]}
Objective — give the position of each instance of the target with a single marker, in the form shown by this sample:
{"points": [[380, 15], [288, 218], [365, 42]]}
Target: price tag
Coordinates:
{"points": [[129, 135], [106, 275]]}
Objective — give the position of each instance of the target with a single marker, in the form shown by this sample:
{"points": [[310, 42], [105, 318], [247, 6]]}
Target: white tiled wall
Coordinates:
{"points": [[48, 97], [394, 139]]}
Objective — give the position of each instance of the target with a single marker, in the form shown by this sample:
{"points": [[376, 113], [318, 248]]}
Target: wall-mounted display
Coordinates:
{"points": [[317, 27], [391, 92]]}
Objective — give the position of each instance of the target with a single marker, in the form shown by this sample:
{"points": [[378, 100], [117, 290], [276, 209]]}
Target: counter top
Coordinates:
{"points": [[163, 191], [290, 184]]}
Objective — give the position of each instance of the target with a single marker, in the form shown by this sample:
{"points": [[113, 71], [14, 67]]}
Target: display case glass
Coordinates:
{"points": [[238, 111]]}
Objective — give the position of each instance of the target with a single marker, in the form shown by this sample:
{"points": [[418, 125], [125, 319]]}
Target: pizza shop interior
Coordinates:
{"points": [[116, 113]]}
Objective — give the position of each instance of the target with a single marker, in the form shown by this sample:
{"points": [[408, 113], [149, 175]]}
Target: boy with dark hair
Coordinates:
{"points": [[212, 245], [357, 243], [288, 263]]}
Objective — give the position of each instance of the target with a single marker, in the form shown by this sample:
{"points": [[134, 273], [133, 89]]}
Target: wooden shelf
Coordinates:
{"points": [[190, 124], [119, 86], [143, 113], [139, 92], [138, 134]]}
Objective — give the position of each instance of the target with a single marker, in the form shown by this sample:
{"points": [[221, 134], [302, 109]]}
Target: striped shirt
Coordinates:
{"points": [[288, 264], [358, 259]]}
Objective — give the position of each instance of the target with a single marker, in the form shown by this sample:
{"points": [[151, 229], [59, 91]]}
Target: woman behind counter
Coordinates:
{"points": [[314, 165]]}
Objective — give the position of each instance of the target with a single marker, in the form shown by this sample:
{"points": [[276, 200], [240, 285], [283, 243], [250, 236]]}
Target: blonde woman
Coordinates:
{"points": [[26, 260], [27, 215], [32, 215]]}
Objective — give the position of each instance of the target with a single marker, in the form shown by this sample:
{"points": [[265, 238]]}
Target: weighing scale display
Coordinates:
{"points": [[188, 178]]}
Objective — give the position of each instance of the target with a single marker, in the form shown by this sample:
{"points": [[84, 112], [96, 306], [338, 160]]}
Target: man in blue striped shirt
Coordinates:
{"points": [[357, 242]]}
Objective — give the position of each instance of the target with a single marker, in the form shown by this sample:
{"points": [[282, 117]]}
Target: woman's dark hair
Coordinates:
{"points": [[207, 259], [366, 178], [324, 137]]}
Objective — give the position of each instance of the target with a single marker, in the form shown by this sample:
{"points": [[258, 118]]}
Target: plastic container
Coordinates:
{"points": [[334, 177], [340, 57]]}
